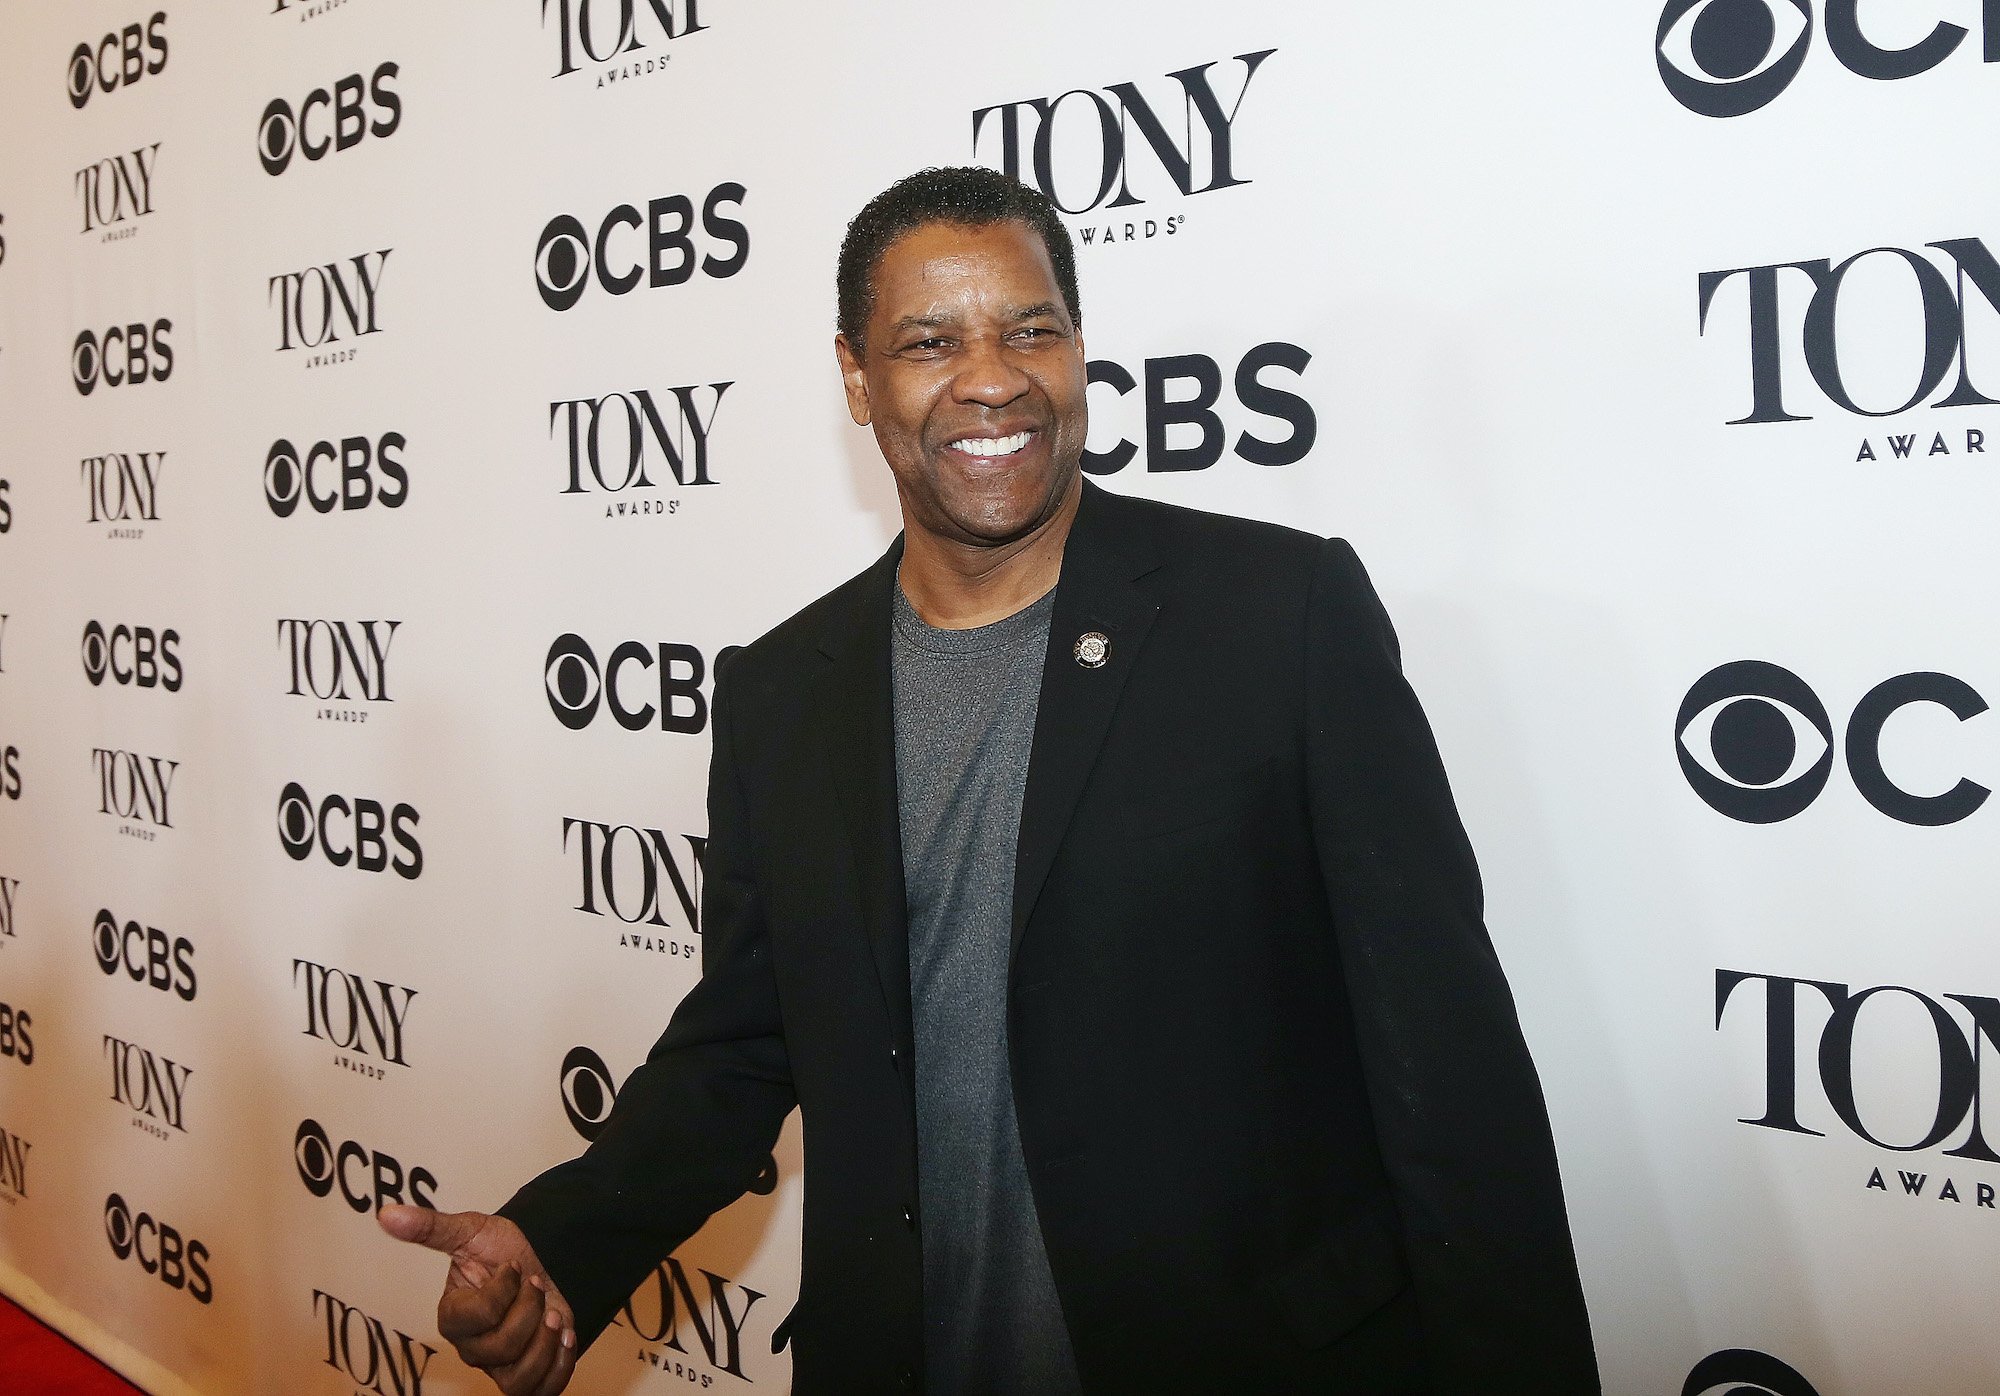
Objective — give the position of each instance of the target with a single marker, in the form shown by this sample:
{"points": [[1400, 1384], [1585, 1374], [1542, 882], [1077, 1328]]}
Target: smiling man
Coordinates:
{"points": [[1084, 871]]}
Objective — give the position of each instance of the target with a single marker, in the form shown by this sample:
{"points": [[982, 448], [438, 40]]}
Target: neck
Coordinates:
{"points": [[958, 586]]}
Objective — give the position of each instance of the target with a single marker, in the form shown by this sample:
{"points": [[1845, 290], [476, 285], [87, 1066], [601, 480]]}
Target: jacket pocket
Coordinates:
{"points": [[1344, 1276]]}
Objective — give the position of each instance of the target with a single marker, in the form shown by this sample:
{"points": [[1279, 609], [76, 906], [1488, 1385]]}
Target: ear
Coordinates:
{"points": [[852, 379]]}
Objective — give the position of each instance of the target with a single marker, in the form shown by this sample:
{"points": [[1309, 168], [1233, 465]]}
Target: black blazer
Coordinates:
{"points": [[1281, 1126]]}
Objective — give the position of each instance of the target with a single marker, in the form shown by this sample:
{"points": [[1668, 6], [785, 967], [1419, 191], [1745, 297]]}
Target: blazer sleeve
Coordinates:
{"points": [[1458, 1108], [695, 1124]]}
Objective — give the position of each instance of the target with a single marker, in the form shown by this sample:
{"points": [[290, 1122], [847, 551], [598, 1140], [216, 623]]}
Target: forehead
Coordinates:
{"points": [[937, 263]]}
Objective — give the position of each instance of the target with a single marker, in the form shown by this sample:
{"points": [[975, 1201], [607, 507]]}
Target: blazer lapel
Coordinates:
{"points": [[857, 732], [1102, 560]]}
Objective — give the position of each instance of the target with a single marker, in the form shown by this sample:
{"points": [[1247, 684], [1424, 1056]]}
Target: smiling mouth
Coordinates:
{"points": [[990, 447]]}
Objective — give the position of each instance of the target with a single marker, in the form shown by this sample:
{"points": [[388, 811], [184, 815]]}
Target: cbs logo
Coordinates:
{"points": [[177, 1263], [577, 686], [290, 477], [280, 131], [164, 964], [588, 1092], [324, 1166], [123, 354], [302, 827], [15, 1040], [148, 661], [1745, 1372], [1755, 742], [1729, 57], [92, 68], [567, 253], [1164, 412]]}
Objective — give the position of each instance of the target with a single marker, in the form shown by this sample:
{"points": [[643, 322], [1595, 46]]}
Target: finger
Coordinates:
{"points": [[466, 1314], [559, 1306], [438, 1231], [565, 1363], [525, 1376], [467, 1273], [506, 1342]]}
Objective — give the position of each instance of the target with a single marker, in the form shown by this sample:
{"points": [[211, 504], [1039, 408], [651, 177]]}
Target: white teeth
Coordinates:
{"points": [[993, 445]]}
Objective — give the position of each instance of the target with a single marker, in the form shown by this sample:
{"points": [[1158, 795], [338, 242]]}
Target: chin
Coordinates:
{"points": [[1003, 523]]}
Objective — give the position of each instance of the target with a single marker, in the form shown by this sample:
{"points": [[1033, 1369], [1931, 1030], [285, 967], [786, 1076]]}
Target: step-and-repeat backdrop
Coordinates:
{"points": [[403, 407]]}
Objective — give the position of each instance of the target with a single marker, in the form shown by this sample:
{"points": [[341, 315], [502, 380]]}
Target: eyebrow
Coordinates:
{"points": [[921, 322], [944, 320]]}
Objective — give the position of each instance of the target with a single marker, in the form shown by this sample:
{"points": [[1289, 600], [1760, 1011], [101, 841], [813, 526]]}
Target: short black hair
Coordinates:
{"points": [[968, 195]]}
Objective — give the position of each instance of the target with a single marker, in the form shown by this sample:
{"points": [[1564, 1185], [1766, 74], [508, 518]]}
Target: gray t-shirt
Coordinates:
{"points": [[965, 721]]}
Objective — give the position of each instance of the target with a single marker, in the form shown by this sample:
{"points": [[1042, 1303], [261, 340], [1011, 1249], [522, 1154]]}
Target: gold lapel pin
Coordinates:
{"points": [[1092, 649]]}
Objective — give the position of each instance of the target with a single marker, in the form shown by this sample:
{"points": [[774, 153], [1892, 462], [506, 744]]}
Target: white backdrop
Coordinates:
{"points": [[1464, 250]]}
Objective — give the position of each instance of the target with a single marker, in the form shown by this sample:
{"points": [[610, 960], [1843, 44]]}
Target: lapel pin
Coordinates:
{"points": [[1092, 649]]}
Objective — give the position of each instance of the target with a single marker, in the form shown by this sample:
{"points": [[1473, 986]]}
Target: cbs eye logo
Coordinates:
{"points": [[323, 1166], [116, 60], [587, 1091], [131, 654], [1756, 744], [1745, 1372], [577, 685], [118, 1225], [123, 354], [281, 130], [176, 1261], [567, 253], [302, 826], [573, 682], [164, 964], [348, 470], [1730, 57]]}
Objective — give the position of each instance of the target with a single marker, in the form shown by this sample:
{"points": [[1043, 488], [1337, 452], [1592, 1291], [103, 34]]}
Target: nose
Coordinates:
{"points": [[987, 374]]}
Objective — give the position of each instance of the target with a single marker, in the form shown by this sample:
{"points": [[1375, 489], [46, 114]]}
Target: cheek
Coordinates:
{"points": [[1069, 396], [903, 409]]}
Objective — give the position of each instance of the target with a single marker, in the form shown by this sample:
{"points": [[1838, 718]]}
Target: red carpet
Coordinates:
{"points": [[38, 1361]]}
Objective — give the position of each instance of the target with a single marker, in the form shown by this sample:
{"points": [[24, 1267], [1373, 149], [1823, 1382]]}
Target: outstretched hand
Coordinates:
{"points": [[500, 1309]]}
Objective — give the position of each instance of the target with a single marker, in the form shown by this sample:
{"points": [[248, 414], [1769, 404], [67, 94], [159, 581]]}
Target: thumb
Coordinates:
{"points": [[438, 1231]]}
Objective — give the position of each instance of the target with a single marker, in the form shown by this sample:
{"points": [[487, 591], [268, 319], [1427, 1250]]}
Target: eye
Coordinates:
{"points": [[314, 1156], [1729, 41], [83, 359], [94, 655], [572, 681], [561, 262], [275, 133], [295, 821], [282, 477], [105, 934], [562, 259], [1730, 57], [1745, 1372], [118, 1224], [587, 1091], [81, 73], [1754, 741]]}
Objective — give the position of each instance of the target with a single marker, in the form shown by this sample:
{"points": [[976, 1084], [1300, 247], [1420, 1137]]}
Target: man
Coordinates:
{"points": [[1085, 873]]}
